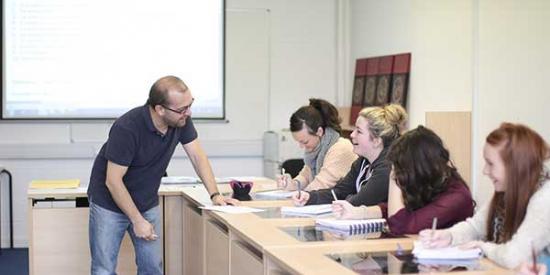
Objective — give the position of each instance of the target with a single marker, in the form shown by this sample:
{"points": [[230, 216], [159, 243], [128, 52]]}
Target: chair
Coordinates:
{"points": [[293, 166]]}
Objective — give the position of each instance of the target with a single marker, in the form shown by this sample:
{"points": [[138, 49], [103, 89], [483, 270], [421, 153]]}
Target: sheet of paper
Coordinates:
{"points": [[452, 252], [274, 194], [179, 180], [231, 209], [307, 210], [55, 184]]}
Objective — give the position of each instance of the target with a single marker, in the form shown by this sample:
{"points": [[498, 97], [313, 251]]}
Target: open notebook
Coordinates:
{"points": [[274, 194], [446, 253], [353, 226], [308, 210], [55, 184]]}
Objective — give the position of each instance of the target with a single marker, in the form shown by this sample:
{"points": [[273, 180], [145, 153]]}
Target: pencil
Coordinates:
{"points": [[434, 226], [333, 194], [283, 174], [534, 254], [299, 188]]}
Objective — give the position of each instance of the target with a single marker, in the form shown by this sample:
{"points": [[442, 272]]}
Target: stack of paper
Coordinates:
{"points": [[179, 180], [274, 194], [353, 226], [309, 210], [446, 253], [190, 180], [231, 209], [54, 184]]}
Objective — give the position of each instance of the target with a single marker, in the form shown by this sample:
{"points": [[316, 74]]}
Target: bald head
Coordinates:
{"points": [[158, 95]]}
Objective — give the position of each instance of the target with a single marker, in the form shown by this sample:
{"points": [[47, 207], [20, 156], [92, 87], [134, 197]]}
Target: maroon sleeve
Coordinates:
{"points": [[450, 207], [384, 208]]}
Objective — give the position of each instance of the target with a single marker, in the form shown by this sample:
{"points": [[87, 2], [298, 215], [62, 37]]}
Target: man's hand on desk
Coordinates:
{"points": [[144, 230], [221, 200]]}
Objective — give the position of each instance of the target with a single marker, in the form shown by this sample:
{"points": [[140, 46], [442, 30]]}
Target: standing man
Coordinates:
{"points": [[125, 179]]}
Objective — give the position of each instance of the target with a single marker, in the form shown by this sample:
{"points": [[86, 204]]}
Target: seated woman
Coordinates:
{"points": [[423, 185], [328, 157], [367, 181], [517, 218]]}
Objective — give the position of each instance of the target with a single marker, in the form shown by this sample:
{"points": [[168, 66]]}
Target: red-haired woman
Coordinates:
{"points": [[517, 218]]}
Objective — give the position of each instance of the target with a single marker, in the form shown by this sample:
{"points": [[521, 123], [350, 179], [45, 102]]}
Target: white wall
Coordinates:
{"points": [[439, 36], [513, 71], [279, 54], [488, 56]]}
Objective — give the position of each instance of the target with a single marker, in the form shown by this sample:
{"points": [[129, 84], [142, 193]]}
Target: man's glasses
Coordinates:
{"points": [[182, 110]]}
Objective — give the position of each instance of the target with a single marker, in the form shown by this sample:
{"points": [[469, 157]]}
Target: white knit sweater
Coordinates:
{"points": [[534, 230]]}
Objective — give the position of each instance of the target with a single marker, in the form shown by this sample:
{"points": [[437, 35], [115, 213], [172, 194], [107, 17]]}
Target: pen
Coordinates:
{"points": [[333, 194], [299, 188], [399, 250], [534, 254], [283, 174], [434, 226]]}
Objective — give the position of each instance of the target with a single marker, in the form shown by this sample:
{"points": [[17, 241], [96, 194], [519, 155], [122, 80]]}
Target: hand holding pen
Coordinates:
{"points": [[433, 238], [342, 209], [283, 179], [300, 198]]}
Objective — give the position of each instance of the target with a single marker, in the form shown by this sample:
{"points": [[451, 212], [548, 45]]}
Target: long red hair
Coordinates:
{"points": [[523, 152]]}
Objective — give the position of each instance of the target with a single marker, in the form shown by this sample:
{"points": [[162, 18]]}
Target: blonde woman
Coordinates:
{"points": [[367, 181]]}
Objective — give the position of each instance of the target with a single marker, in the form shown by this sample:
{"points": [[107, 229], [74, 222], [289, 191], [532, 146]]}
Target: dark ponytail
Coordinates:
{"points": [[319, 113]]}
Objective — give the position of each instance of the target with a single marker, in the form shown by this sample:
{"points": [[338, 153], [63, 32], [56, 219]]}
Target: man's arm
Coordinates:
{"points": [[142, 228], [203, 169]]}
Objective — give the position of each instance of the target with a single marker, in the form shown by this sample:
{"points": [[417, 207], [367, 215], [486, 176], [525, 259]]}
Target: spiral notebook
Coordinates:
{"points": [[353, 226]]}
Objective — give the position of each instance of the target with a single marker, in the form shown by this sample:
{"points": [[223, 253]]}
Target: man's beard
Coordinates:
{"points": [[176, 123]]}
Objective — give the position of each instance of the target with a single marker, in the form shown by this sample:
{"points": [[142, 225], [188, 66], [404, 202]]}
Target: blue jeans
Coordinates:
{"points": [[106, 230]]}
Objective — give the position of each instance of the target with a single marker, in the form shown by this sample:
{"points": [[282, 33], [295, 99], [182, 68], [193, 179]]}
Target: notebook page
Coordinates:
{"points": [[308, 209], [452, 252]]}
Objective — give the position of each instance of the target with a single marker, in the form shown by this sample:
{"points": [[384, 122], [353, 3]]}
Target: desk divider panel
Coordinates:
{"points": [[455, 129]]}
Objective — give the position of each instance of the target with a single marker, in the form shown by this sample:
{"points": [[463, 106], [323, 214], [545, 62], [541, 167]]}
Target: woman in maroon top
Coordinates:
{"points": [[423, 185]]}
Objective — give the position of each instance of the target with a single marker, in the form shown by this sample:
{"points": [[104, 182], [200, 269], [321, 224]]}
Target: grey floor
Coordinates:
{"points": [[14, 261]]}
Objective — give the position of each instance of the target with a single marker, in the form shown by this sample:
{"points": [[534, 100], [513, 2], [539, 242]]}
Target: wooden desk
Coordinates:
{"points": [[314, 260], [58, 235], [209, 243], [236, 244], [196, 241]]}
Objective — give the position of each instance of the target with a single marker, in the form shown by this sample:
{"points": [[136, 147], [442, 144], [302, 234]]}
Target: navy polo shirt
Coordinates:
{"points": [[134, 142]]}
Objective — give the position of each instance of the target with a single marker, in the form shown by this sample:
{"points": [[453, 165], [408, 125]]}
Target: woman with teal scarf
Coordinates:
{"points": [[328, 156]]}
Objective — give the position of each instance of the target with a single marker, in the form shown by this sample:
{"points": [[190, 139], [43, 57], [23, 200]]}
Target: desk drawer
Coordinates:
{"points": [[245, 261], [217, 249]]}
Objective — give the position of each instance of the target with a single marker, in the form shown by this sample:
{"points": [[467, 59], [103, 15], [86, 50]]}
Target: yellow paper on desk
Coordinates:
{"points": [[55, 184]]}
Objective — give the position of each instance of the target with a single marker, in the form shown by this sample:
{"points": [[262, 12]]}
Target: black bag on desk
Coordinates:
{"points": [[241, 190]]}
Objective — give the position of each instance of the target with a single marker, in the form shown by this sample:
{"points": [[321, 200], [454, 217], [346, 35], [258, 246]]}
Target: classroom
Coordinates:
{"points": [[474, 64]]}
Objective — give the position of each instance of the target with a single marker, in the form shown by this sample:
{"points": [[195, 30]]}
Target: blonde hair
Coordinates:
{"points": [[385, 122]]}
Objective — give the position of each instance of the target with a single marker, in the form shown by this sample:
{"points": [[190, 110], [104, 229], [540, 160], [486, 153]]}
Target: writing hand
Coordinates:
{"points": [[300, 199]]}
